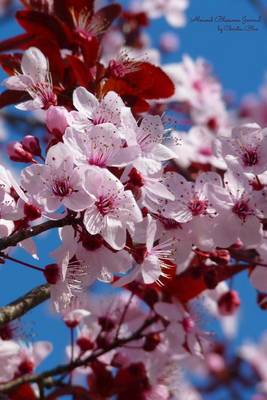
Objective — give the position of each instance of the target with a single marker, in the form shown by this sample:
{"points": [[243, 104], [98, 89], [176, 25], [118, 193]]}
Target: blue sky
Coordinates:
{"points": [[239, 60]]}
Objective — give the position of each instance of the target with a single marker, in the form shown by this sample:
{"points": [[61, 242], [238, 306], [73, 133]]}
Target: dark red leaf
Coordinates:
{"points": [[17, 42], [64, 8], [78, 73], [23, 392], [90, 50], [104, 17], [151, 82], [12, 97], [46, 26], [10, 62]]}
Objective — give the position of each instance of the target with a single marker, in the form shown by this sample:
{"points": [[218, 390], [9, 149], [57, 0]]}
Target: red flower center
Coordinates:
{"points": [[197, 206], [250, 157], [104, 204], [61, 188], [242, 209]]}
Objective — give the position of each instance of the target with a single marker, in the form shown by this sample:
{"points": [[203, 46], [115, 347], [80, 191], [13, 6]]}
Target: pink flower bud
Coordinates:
{"points": [[229, 303], [57, 120], [32, 145], [85, 343], [169, 42], [26, 367], [51, 272], [152, 341], [16, 152]]}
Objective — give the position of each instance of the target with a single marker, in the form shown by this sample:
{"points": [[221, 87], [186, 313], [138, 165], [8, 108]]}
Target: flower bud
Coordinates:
{"points": [[85, 343], [106, 324], [229, 303], [31, 144], [57, 120], [51, 272], [26, 367], [17, 152], [151, 342]]}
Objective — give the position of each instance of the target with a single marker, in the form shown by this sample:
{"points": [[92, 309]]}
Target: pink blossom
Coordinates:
{"points": [[258, 276], [198, 146], [35, 79], [102, 147], [57, 182], [169, 42], [152, 260], [9, 350], [172, 10], [193, 81], [146, 186], [248, 145], [29, 357], [238, 210], [193, 205], [111, 209], [92, 112], [149, 137], [183, 330]]}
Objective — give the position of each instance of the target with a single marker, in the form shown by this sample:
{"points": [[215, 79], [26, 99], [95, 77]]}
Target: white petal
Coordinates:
{"points": [[84, 101], [34, 64]]}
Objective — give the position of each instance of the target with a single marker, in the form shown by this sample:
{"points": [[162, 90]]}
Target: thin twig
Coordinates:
{"points": [[17, 237], [61, 369]]}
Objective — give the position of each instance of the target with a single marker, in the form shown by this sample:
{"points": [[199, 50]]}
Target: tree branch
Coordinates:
{"points": [[17, 237], [23, 304]]}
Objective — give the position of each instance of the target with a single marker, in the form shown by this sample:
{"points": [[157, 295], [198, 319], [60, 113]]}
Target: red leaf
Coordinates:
{"points": [[12, 97], [17, 42], [193, 281], [151, 82], [90, 50], [63, 8], [10, 62], [44, 25], [105, 16], [78, 73], [23, 392]]}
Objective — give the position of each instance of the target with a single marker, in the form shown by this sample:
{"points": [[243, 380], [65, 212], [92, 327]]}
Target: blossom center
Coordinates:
{"points": [[198, 206], [61, 188], [99, 119], [242, 209], [104, 204], [198, 86], [44, 91], [250, 157]]}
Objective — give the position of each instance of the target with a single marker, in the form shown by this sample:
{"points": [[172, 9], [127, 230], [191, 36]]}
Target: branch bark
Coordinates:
{"points": [[17, 237], [23, 304]]}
